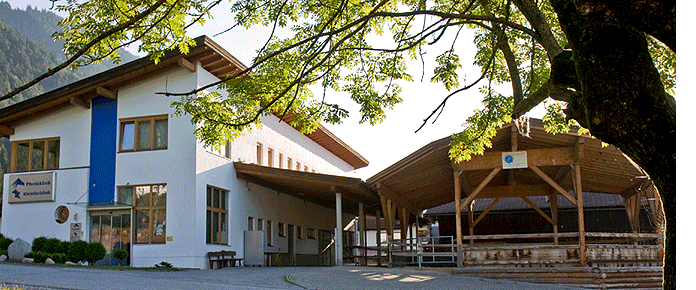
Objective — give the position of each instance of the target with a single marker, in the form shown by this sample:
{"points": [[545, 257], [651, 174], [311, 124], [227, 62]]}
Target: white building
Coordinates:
{"points": [[103, 159]]}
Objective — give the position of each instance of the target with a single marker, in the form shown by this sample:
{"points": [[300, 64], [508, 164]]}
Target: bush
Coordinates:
{"points": [[94, 252], [76, 251], [51, 246], [59, 258], [39, 257], [38, 244], [5, 243], [120, 255], [4, 252], [63, 248]]}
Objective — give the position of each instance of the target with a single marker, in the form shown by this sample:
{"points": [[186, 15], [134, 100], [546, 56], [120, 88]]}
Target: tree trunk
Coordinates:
{"points": [[623, 102]]}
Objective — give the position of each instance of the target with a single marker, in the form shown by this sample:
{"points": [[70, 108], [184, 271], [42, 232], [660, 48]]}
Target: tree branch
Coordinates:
{"points": [[84, 49]]}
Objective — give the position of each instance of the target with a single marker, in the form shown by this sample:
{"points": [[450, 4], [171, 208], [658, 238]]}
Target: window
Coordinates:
{"points": [[35, 155], [311, 234], [270, 157], [150, 211], [306, 169], [299, 232], [216, 216], [144, 133], [280, 160], [269, 233], [259, 153], [259, 225], [223, 150], [290, 163], [250, 224], [281, 229], [298, 166]]}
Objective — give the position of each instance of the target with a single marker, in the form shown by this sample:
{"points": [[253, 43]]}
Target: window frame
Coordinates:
{"points": [[281, 229], [270, 153], [13, 155], [225, 147], [269, 233], [259, 153], [213, 210], [150, 208], [135, 121], [311, 234]]}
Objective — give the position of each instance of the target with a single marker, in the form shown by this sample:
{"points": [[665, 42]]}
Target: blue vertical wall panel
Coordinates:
{"points": [[102, 152]]}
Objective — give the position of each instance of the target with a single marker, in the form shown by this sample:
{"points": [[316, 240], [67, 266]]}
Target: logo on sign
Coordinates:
{"points": [[508, 159], [32, 187]]}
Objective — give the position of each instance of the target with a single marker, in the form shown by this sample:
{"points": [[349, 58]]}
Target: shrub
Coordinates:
{"points": [[94, 252], [63, 247], [5, 243], [59, 258], [120, 255], [38, 243], [50, 246], [163, 264], [4, 252], [39, 257], [76, 251]]}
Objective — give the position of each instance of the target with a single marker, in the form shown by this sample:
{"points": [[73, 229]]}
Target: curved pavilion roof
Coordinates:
{"points": [[425, 178]]}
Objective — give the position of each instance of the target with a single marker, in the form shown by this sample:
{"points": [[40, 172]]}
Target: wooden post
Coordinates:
{"points": [[577, 176], [458, 217], [471, 222], [361, 232], [378, 238], [554, 216], [404, 223]]}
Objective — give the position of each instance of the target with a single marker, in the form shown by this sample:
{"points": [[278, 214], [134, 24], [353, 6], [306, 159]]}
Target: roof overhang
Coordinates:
{"points": [[317, 188]]}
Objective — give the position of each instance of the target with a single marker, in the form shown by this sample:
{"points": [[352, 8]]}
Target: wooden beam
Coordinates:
{"points": [[378, 238], [101, 91], [553, 184], [79, 102], [7, 131], [186, 64], [577, 177], [535, 207], [535, 157], [386, 208], [554, 215], [458, 216], [470, 209], [464, 182], [481, 185], [489, 208], [403, 214], [386, 191], [516, 191], [579, 149]]}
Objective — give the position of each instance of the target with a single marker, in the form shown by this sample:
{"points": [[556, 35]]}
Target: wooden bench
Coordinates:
{"points": [[223, 259]]}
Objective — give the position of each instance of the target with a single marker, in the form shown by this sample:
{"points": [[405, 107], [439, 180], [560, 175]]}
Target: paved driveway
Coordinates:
{"points": [[347, 277]]}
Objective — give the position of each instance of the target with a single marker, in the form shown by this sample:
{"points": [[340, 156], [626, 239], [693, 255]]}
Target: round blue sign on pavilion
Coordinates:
{"points": [[508, 159]]}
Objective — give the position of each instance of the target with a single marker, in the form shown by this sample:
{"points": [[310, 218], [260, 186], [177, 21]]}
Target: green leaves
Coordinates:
{"points": [[446, 70]]}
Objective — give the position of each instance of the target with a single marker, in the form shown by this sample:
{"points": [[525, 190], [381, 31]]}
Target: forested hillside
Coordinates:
{"points": [[27, 50]]}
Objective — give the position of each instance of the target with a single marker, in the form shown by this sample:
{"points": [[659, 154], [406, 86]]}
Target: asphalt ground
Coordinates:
{"points": [[345, 277]]}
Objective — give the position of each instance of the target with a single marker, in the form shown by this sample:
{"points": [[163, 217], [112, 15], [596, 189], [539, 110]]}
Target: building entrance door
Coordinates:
{"points": [[113, 230]]}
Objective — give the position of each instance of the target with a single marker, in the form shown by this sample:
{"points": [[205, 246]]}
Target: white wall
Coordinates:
{"points": [[283, 139], [30, 220], [174, 166]]}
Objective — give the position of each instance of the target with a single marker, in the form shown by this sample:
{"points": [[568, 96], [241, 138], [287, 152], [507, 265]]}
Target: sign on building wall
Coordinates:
{"points": [[75, 232], [33, 187], [512, 160]]}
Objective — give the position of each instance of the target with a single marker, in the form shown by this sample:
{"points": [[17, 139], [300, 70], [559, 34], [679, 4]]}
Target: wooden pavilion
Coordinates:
{"points": [[560, 166]]}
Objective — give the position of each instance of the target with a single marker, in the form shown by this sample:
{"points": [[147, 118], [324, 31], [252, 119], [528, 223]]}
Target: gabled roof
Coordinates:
{"points": [[212, 58]]}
